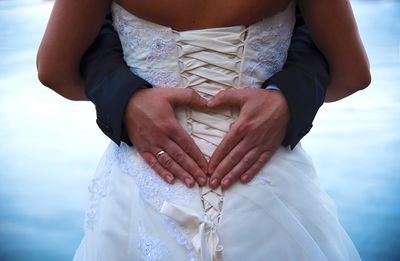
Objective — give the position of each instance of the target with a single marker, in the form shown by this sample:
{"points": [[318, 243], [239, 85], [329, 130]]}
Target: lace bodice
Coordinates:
{"points": [[245, 56]]}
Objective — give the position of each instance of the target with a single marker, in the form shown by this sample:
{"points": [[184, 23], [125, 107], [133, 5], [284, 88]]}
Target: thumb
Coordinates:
{"points": [[226, 98], [189, 97]]}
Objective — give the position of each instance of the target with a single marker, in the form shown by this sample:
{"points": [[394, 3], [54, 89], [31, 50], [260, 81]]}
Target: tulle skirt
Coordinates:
{"points": [[282, 214]]}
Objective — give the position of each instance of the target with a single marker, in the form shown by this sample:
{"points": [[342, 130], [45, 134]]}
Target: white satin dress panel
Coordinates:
{"points": [[282, 214]]}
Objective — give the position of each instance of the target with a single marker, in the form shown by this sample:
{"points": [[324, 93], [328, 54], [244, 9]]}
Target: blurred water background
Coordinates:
{"points": [[50, 146]]}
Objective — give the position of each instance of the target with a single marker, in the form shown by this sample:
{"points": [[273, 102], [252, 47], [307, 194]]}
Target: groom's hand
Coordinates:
{"points": [[253, 139], [152, 127]]}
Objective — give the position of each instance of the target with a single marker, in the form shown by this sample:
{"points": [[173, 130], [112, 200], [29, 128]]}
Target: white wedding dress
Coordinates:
{"points": [[283, 214]]}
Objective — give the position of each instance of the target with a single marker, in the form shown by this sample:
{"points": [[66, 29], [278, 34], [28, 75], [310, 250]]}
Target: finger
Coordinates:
{"points": [[231, 139], [162, 172], [257, 166], [189, 97], [168, 163], [226, 98], [245, 164], [230, 161], [186, 162], [186, 143]]}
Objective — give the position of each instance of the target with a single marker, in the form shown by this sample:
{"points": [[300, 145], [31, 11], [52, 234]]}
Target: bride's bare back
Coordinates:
{"points": [[198, 14]]}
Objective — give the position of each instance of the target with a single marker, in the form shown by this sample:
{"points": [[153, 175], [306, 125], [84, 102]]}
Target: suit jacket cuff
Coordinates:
{"points": [[110, 96], [303, 100]]}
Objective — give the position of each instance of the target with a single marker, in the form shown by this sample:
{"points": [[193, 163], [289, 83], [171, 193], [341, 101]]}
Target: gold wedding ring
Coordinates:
{"points": [[161, 152]]}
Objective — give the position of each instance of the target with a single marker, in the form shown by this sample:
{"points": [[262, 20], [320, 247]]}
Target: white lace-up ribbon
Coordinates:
{"points": [[210, 61]]}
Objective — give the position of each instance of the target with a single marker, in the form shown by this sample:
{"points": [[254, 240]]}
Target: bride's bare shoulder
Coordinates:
{"points": [[197, 14]]}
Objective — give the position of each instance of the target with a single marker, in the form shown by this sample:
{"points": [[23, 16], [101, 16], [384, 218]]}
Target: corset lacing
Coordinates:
{"points": [[209, 60]]}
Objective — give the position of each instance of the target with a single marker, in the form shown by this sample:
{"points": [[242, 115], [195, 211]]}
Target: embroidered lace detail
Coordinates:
{"points": [[160, 49], [180, 236], [153, 43], [129, 35], [158, 78], [152, 188], [98, 189], [152, 248], [155, 191], [270, 40]]}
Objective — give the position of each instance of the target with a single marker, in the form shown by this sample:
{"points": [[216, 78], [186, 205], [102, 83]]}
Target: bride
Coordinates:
{"points": [[212, 48]]}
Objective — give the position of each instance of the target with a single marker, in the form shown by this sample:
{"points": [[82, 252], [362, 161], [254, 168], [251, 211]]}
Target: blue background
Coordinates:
{"points": [[49, 147]]}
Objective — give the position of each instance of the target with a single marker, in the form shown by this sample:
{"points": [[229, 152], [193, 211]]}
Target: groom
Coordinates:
{"points": [[127, 111]]}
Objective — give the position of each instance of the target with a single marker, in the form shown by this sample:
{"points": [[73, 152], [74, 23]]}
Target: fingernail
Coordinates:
{"points": [[202, 181], [169, 179], [226, 182], [214, 182], [244, 178], [189, 181]]}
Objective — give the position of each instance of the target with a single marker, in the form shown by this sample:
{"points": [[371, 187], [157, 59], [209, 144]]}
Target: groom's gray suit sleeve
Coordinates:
{"points": [[110, 83]]}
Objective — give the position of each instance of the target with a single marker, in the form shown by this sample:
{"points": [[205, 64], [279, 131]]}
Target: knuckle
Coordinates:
{"points": [[244, 127], [226, 145], [221, 96], [179, 156], [165, 161], [229, 91], [261, 162], [264, 157], [189, 147], [247, 162], [189, 91], [166, 126], [225, 149], [234, 132], [233, 159], [193, 94], [161, 159], [168, 163], [185, 145]]}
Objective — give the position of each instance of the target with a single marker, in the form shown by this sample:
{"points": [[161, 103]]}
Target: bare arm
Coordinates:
{"points": [[334, 30], [72, 27]]}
